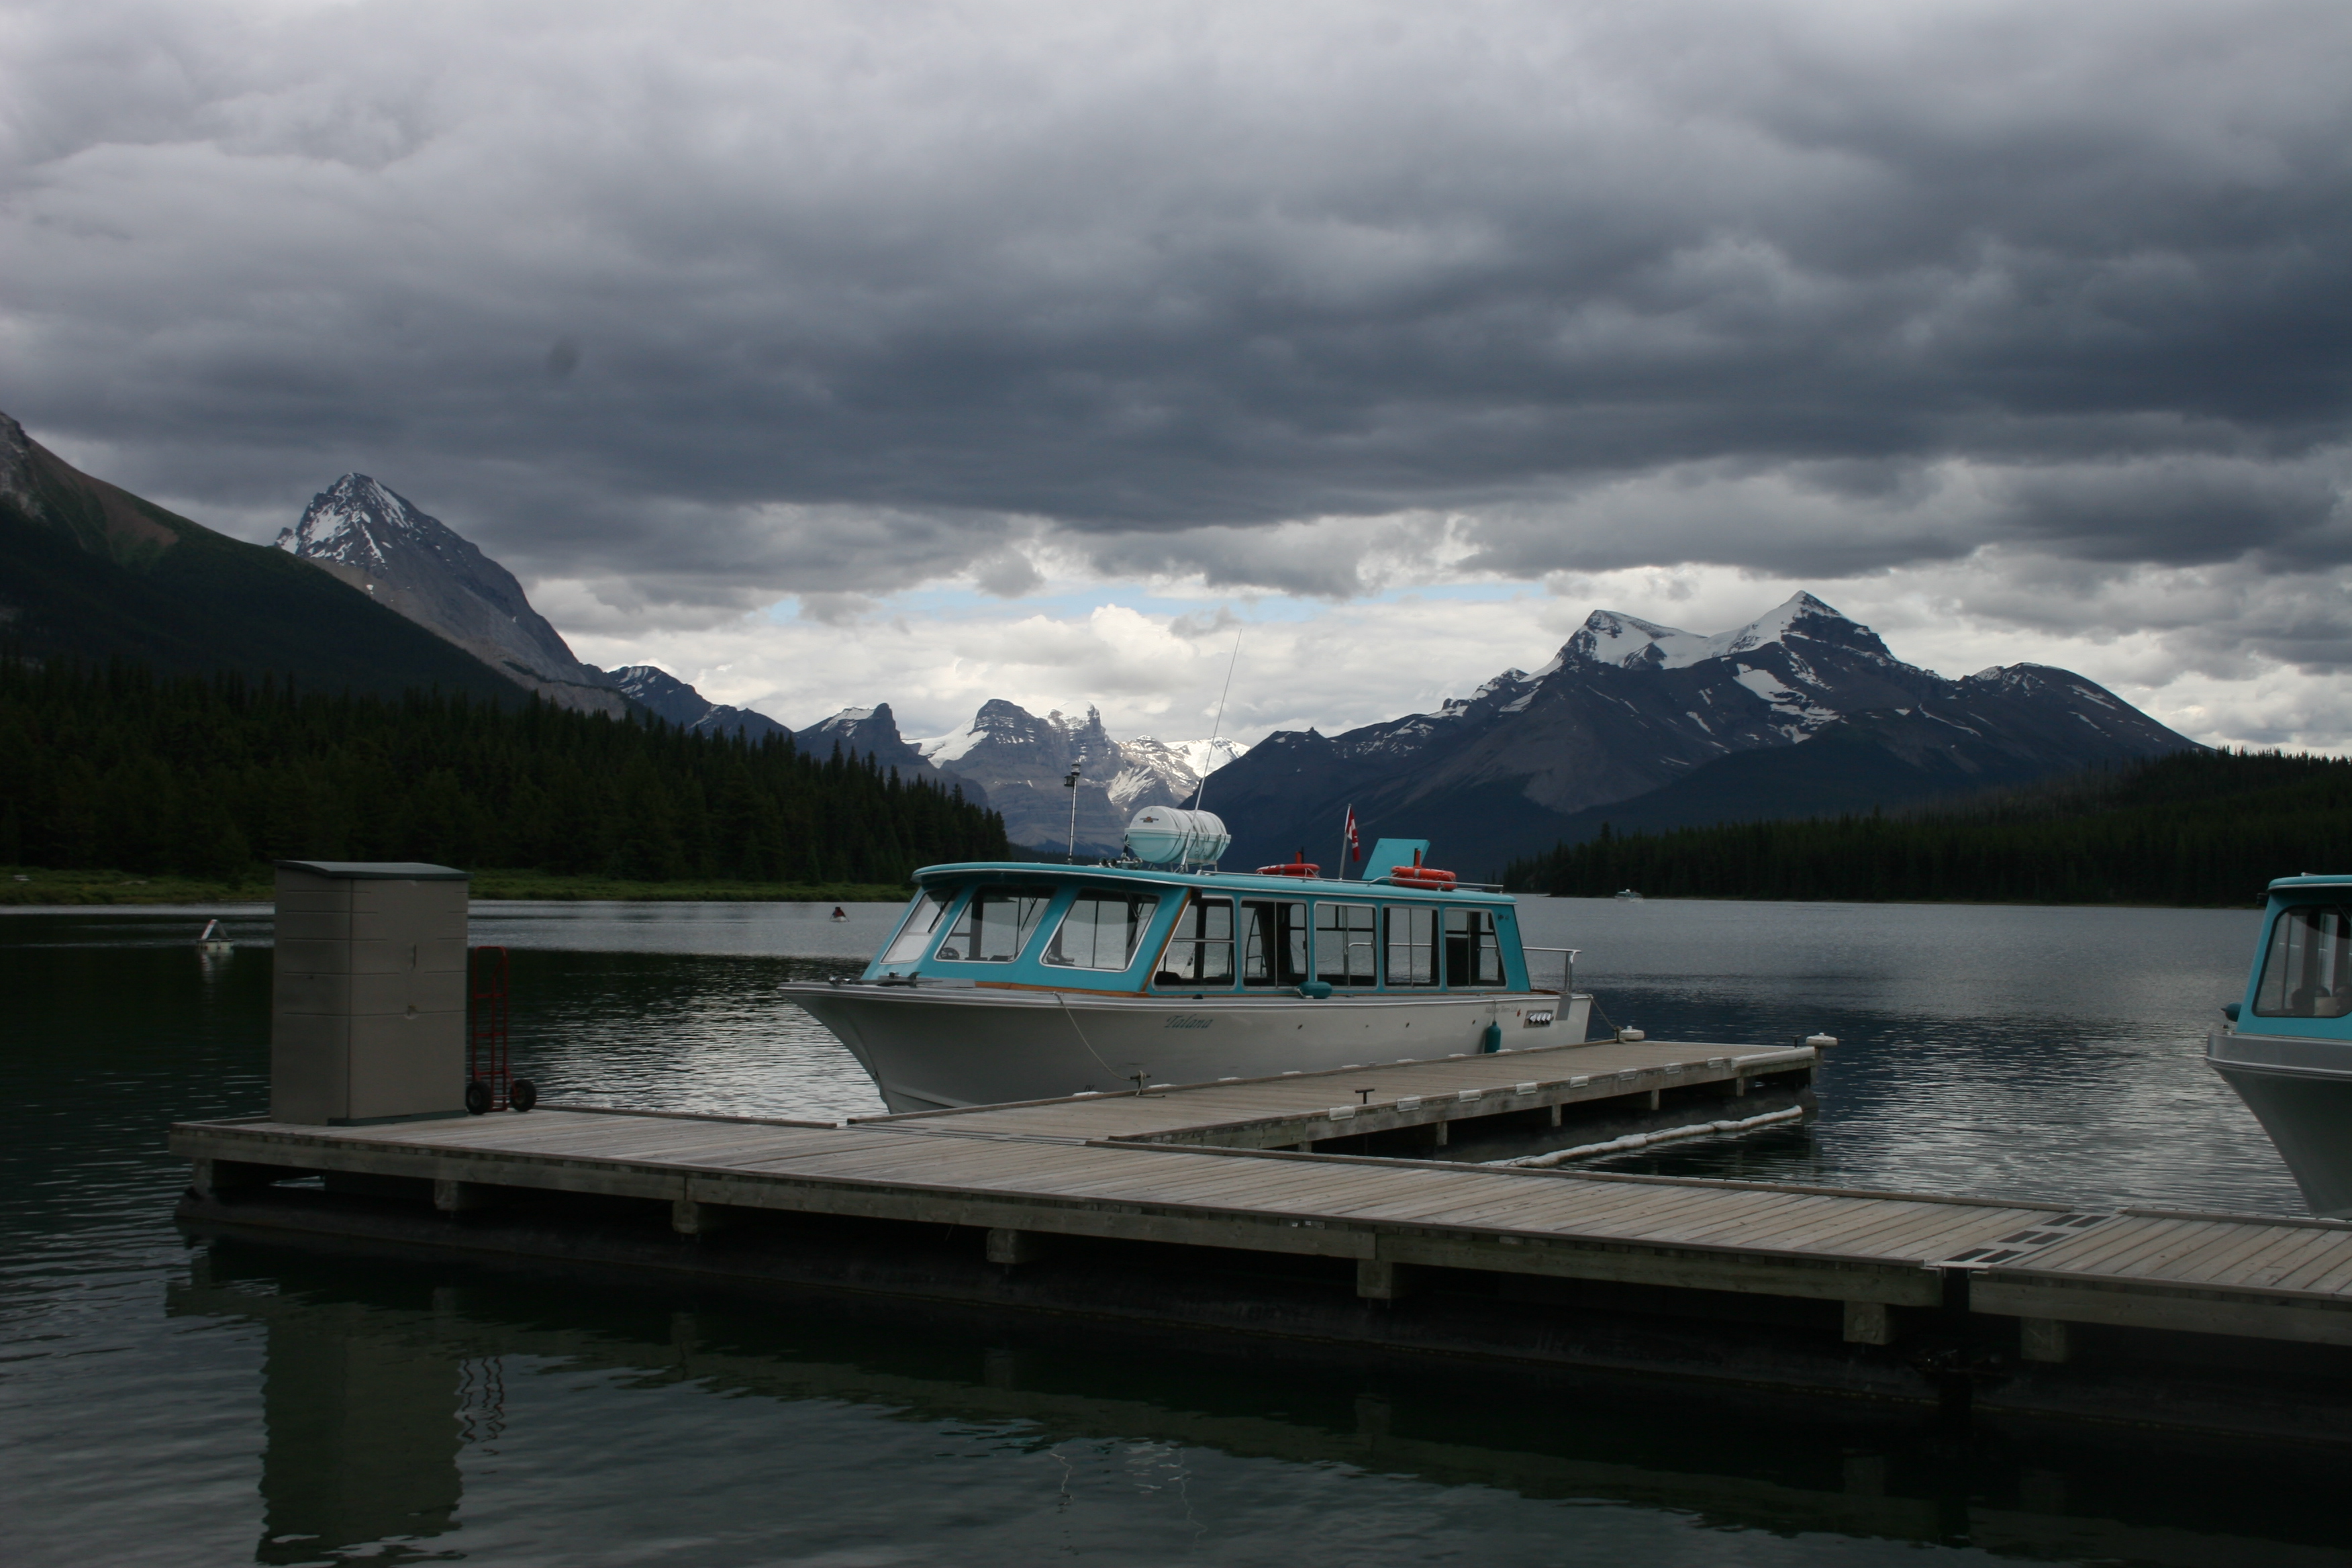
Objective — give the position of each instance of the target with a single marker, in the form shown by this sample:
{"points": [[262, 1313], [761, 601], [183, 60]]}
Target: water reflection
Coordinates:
{"points": [[361, 1438], [918, 1434]]}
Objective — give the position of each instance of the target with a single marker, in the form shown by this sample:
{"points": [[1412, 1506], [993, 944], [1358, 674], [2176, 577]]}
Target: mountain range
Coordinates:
{"points": [[1631, 724], [1017, 761], [1639, 725]]}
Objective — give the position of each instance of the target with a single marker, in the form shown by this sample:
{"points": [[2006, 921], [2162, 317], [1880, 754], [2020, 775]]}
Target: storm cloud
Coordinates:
{"points": [[720, 304]]}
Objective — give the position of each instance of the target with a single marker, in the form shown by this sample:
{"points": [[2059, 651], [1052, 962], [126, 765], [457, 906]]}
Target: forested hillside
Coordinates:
{"points": [[2191, 829], [206, 775]]}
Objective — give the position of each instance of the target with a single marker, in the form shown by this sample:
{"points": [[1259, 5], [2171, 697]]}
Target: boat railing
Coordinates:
{"points": [[1566, 966]]}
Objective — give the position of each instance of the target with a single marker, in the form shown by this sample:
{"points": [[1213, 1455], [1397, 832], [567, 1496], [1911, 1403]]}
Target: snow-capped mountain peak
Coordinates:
{"points": [[380, 541], [1020, 758], [1608, 636], [358, 522]]}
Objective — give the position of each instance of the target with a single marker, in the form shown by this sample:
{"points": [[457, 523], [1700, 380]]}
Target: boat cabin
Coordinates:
{"points": [[2301, 983], [1144, 931]]}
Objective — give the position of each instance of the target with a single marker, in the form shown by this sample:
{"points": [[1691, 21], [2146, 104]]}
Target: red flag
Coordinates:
{"points": [[1355, 846]]}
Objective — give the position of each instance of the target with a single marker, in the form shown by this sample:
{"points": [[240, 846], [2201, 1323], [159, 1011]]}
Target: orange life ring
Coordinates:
{"points": [[1291, 869], [1422, 877]]}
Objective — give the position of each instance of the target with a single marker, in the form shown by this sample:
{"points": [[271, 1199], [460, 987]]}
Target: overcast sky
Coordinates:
{"points": [[924, 353]]}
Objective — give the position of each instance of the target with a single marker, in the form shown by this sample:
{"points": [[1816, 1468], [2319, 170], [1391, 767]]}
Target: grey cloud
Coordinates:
{"points": [[874, 295]]}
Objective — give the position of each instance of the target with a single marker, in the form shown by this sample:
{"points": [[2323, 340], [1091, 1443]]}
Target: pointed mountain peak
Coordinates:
{"points": [[357, 522], [1610, 636], [1776, 625]]}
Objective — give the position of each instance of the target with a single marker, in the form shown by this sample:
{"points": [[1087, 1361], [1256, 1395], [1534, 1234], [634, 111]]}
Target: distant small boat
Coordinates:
{"points": [[839, 913], [1628, 895], [213, 938]]}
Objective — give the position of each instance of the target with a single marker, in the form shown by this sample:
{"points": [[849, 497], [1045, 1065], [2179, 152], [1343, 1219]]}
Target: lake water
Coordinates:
{"points": [[170, 1402]]}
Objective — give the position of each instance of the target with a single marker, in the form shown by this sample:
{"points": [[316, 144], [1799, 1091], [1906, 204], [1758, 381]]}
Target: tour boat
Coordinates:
{"points": [[2286, 1048], [1012, 980]]}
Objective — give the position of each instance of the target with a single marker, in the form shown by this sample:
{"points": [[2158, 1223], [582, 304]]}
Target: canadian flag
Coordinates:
{"points": [[1355, 846]]}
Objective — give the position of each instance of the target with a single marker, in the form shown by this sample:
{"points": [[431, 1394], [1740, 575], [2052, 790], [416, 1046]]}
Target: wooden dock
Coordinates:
{"points": [[1066, 1205], [1459, 1108]]}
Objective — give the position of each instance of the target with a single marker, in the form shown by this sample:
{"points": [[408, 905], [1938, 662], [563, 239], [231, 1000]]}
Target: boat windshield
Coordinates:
{"points": [[1101, 930], [995, 924], [922, 920], [2307, 971]]}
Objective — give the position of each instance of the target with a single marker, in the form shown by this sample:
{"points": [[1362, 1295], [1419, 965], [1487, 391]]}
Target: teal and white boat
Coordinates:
{"points": [[1009, 981], [2286, 1048]]}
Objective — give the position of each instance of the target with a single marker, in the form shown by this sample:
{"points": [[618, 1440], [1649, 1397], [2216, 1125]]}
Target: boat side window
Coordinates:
{"points": [[1474, 954], [1101, 930], [2308, 971], [1411, 936], [921, 922], [1201, 953], [1274, 943], [1345, 950], [995, 924]]}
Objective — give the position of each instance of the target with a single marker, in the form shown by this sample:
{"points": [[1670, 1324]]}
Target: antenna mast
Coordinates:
{"points": [[1217, 730], [1077, 771]]}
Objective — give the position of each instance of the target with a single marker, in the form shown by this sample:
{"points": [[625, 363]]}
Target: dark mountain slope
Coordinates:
{"points": [[2004, 731], [89, 570]]}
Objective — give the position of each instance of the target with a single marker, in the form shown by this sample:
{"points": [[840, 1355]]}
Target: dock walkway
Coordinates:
{"points": [[1191, 1168], [1192, 1165]]}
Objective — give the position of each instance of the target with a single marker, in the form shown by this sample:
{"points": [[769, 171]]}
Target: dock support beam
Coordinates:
{"points": [[1869, 1323], [2044, 1340], [687, 1216], [457, 1197], [1015, 1245], [1377, 1279], [208, 1176]]}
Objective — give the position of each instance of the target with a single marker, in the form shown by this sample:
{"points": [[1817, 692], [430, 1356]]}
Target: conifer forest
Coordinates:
{"points": [[2202, 827], [207, 775]]}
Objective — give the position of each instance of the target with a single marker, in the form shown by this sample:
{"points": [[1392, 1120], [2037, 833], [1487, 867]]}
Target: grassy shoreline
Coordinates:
{"points": [[40, 885]]}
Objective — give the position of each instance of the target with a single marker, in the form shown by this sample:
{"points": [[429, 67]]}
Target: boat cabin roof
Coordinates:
{"points": [[1232, 881], [2314, 881]]}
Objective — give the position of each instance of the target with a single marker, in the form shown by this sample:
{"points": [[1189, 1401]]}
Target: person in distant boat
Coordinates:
{"points": [[839, 913]]}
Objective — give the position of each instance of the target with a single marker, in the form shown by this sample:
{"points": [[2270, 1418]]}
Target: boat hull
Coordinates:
{"points": [[930, 1048], [2300, 1089]]}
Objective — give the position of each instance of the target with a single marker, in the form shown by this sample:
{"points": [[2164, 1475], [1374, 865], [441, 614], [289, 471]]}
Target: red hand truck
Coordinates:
{"points": [[490, 1083]]}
